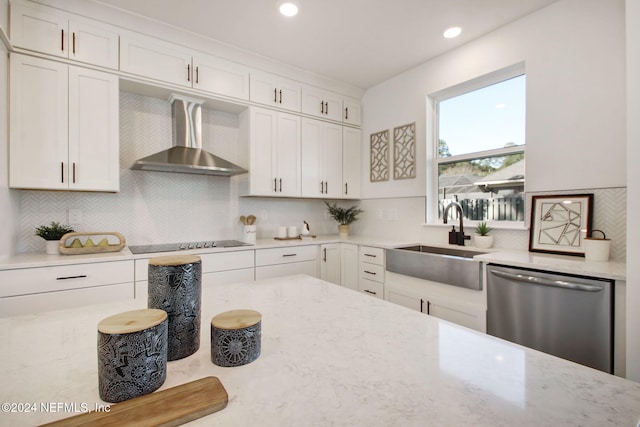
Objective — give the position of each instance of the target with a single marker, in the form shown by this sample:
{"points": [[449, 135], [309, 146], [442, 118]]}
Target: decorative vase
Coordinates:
{"points": [[52, 247], [484, 242], [343, 231]]}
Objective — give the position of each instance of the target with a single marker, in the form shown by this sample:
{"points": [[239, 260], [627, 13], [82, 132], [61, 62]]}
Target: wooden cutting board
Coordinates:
{"points": [[171, 407]]}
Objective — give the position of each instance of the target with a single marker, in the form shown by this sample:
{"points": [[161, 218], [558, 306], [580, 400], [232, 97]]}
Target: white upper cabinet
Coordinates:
{"points": [[274, 153], [275, 91], [47, 30], [351, 162], [159, 60], [320, 103], [351, 111], [219, 76], [63, 126], [156, 59], [321, 159]]}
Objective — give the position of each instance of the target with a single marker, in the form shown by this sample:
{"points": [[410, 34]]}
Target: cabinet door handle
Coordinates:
{"points": [[321, 107], [275, 94], [346, 113], [326, 108], [289, 255], [188, 72], [280, 96], [281, 185], [326, 187], [370, 272], [275, 184], [62, 40], [74, 172], [370, 292], [81, 276], [346, 188], [370, 255], [324, 254], [62, 172], [422, 306], [73, 38]]}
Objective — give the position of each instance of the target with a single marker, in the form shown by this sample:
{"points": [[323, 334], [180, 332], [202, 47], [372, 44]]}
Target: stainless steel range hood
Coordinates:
{"points": [[187, 155]]}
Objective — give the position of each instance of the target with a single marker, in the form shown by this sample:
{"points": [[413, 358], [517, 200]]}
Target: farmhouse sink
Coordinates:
{"points": [[452, 266]]}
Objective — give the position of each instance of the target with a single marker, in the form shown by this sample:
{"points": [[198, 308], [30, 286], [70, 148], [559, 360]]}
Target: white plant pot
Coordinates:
{"points": [[484, 242], [52, 247]]}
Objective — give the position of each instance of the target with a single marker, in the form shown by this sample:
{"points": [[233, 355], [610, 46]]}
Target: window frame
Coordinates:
{"points": [[433, 161]]}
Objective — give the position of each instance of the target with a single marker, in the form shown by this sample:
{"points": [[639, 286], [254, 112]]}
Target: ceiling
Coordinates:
{"points": [[360, 42]]}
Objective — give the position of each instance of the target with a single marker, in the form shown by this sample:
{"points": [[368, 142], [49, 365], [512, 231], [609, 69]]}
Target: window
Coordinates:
{"points": [[480, 151]]}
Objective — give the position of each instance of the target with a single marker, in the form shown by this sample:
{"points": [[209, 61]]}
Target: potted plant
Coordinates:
{"points": [[482, 238], [344, 217], [52, 234]]}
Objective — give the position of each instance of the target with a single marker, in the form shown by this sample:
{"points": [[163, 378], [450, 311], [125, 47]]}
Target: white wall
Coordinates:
{"points": [[574, 54], [633, 178]]}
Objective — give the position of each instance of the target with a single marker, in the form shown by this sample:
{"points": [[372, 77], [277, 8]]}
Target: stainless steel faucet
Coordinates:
{"points": [[456, 237]]}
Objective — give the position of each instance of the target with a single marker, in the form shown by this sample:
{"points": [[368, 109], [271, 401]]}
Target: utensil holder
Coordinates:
{"points": [[249, 233]]}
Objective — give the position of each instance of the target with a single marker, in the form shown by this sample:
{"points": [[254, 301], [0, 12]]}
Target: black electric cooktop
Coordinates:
{"points": [[172, 247]]}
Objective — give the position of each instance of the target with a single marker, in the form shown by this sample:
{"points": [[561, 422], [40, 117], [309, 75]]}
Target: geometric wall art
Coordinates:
{"points": [[379, 152], [404, 152], [560, 223]]}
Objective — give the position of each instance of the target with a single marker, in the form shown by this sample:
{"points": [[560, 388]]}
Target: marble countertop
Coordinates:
{"points": [[559, 263], [330, 356]]}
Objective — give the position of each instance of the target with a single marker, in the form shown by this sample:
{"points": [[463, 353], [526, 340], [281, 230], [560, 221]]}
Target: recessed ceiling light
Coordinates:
{"points": [[288, 8], [452, 32]]}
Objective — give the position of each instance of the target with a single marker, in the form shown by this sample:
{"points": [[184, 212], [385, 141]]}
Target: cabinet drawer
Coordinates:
{"points": [[369, 287], [280, 270], [372, 255], [286, 255], [211, 262], [372, 272], [36, 303], [50, 279]]}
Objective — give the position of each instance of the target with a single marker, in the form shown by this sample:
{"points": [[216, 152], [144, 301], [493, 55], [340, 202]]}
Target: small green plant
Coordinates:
{"points": [[483, 229], [342, 215], [54, 231]]}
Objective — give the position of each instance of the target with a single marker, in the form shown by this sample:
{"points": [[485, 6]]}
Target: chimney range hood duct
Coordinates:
{"points": [[187, 155]]}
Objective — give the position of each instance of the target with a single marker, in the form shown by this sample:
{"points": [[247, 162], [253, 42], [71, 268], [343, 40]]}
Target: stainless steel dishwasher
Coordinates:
{"points": [[567, 316]]}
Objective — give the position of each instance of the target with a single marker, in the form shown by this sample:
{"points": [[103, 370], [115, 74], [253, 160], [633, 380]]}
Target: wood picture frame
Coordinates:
{"points": [[559, 223]]}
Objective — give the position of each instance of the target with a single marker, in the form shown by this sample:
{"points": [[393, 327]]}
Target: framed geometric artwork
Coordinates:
{"points": [[560, 223], [379, 156], [404, 152]]}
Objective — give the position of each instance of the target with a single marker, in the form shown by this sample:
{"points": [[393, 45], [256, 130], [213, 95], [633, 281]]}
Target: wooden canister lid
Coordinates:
{"points": [[132, 321], [172, 260], [236, 319]]}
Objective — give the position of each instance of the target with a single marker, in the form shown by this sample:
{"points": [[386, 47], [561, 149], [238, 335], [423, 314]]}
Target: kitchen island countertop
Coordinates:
{"points": [[330, 356]]}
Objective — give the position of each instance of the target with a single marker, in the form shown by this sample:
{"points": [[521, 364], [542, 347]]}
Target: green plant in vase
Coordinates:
{"points": [[52, 234], [482, 238], [344, 217]]}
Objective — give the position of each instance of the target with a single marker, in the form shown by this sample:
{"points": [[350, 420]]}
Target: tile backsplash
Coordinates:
{"points": [[157, 207]]}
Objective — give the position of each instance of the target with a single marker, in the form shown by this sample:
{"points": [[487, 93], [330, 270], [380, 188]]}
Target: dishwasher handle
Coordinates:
{"points": [[547, 282]]}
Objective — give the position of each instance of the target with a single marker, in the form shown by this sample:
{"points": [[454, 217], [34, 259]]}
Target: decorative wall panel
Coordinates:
{"points": [[404, 152], [379, 156]]}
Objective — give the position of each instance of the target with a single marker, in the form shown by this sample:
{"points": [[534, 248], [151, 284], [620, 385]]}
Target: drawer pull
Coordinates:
{"points": [[81, 276], [370, 292], [371, 255], [288, 255], [370, 272]]}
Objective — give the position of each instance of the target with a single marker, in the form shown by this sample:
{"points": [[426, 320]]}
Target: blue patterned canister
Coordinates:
{"points": [[175, 287], [235, 337], [132, 354]]}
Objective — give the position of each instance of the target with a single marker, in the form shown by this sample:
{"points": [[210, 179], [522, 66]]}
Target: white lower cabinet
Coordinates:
{"points": [[371, 274], [217, 268], [465, 307], [349, 263], [33, 290], [330, 263], [278, 262]]}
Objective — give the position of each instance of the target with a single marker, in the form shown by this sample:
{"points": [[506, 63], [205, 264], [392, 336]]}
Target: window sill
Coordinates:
{"points": [[470, 225]]}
